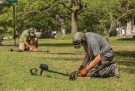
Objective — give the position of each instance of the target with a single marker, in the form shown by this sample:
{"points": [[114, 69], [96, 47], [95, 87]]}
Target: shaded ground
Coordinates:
{"points": [[126, 39], [57, 44]]}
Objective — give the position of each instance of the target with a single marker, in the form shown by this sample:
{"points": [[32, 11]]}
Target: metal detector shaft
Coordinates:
{"points": [[35, 51], [28, 51], [58, 72], [72, 76]]}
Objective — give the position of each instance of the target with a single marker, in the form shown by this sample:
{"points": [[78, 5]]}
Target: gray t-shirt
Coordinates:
{"points": [[97, 44]]}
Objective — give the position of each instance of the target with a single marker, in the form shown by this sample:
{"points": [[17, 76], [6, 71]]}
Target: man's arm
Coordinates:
{"points": [[94, 62], [91, 65], [86, 59], [27, 44]]}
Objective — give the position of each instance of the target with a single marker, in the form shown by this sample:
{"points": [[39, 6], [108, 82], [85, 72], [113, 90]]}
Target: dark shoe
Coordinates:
{"points": [[116, 71]]}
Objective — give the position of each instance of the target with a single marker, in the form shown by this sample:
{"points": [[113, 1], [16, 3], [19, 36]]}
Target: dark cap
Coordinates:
{"points": [[32, 31], [77, 39]]}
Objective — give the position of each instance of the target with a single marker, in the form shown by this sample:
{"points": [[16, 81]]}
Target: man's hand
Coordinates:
{"points": [[83, 72], [27, 44], [80, 68], [31, 49]]}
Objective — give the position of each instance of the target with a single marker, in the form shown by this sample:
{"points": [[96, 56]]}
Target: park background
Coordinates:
{"points": [[67, 16]]}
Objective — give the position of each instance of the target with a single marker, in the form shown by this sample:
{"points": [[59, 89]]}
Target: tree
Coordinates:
{"points": [[118, 10], [74, 15], [74, 6], [109, 13], [6, 18], [35, 14]]}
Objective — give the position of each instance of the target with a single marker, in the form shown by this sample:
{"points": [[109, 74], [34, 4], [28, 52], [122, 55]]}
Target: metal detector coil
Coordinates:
{"points": [[73, 76], [33, 71]]}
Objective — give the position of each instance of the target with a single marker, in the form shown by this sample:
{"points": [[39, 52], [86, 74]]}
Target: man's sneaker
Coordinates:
{"points": [[116, 71]]}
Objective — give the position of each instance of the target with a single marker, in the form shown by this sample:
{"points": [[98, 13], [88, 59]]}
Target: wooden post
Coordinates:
{"points": [[14, 23]]}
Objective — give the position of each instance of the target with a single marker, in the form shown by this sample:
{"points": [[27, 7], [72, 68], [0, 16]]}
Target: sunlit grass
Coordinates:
{"points": [[15, 76]]}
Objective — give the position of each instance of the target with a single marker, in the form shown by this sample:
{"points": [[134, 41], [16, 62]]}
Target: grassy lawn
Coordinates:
{"points": [[15, 75]]}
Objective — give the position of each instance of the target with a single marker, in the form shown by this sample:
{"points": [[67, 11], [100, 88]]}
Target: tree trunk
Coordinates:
{"points": [[73, 23], [107, 36]]}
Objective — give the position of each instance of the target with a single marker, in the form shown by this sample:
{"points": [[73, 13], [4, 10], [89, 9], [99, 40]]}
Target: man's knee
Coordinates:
{"points": [[107, 70], [103, 70], [21, 46]]}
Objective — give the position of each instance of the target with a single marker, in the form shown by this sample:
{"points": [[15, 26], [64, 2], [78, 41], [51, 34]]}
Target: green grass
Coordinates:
{"points": [[15, 76]]}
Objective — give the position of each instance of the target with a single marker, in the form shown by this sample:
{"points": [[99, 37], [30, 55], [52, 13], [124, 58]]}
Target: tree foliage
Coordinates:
{"points": [[73, 15]]}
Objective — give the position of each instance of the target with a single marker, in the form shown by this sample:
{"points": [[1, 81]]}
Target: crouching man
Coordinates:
{"points": [[28, 40], [98, 61]]}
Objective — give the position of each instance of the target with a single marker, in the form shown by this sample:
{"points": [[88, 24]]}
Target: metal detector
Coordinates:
{"points": [[47, 51], [44, 67]]}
